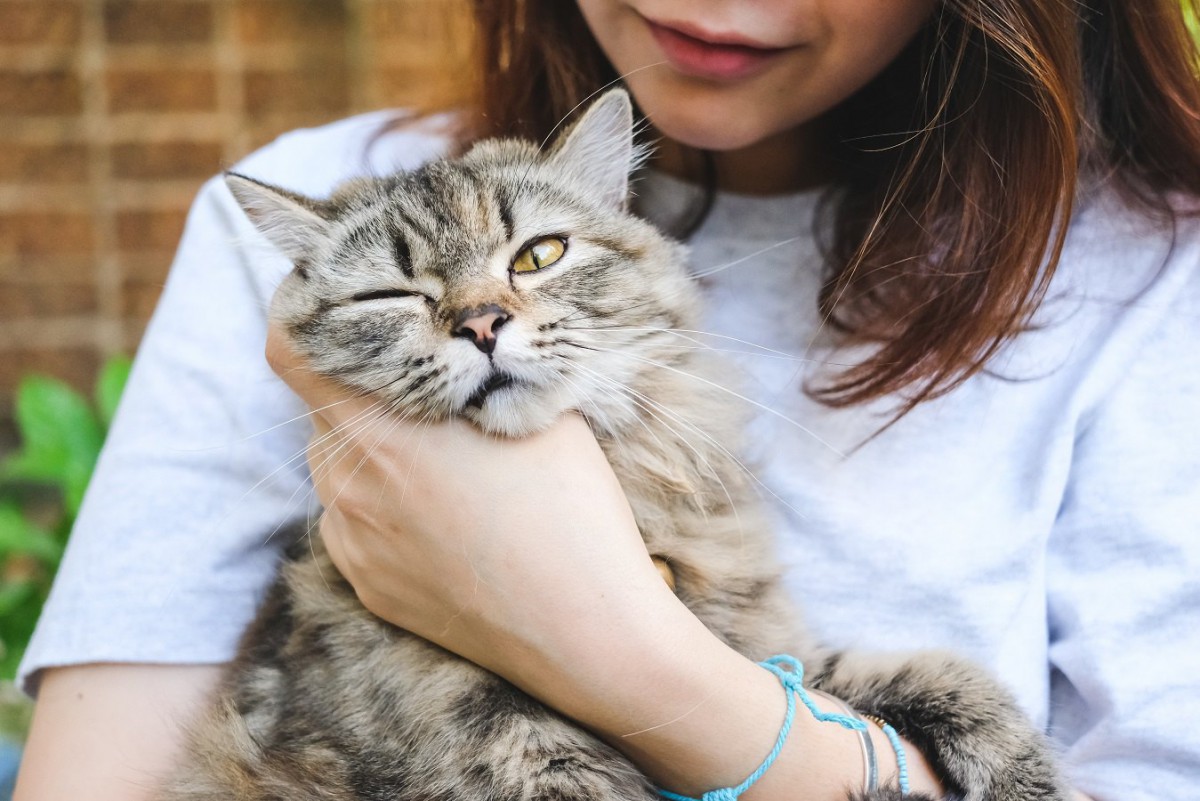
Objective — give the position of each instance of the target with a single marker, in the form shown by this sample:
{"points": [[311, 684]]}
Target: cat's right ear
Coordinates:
{"points": [[292, 222], [599, 151]]}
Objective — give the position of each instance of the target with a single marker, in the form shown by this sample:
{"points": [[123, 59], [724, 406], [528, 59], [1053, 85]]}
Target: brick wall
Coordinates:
{"points": [[112, 112]]}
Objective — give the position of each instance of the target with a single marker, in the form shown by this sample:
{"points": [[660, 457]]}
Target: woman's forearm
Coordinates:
{"points": [[109, 732], [547, 582], [693, 714]]}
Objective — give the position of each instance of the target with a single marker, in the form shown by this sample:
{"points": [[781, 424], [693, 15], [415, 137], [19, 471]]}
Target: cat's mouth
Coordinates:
{"points": [[496, 381]]}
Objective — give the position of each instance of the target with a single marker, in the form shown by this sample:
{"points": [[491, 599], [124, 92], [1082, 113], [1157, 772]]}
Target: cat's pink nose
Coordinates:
{"points": [[480, 325]]}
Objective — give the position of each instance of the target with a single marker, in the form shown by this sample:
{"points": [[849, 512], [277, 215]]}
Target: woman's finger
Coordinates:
{"points": [[327, 398], [334, 543]]}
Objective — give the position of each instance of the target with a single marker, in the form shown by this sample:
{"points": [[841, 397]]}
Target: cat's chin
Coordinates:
{"points": [[515, 411]]}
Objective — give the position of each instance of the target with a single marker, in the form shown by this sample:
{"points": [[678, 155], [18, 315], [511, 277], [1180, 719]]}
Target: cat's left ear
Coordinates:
{"points": [[294, 223], [599, 151]]}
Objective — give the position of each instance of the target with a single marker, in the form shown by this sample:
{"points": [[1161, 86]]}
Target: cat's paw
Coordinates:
{"points": [[967, 725], [553, 762], [498, 744], [888, 794], [587, 776]]}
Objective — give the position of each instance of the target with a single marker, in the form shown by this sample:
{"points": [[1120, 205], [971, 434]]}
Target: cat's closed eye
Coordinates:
{"points": [[388, 293]]}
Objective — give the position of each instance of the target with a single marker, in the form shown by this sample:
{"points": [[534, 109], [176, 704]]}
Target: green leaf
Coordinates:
{"points": [[19, 535], [10, 657], [110, 385], [39, 464], [60, 435], [20, 605], [14, 594], [75, 483]]}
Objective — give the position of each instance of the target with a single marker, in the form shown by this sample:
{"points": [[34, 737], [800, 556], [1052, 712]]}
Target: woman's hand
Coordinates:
{"points": [[523, 556], [463, 538]]}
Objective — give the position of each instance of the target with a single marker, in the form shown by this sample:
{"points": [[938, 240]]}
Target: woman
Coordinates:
{"points": [[1010, 282]]}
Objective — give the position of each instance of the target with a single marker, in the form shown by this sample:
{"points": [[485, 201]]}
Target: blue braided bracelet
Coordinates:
{"points": [[792, 680], [901, 757]]}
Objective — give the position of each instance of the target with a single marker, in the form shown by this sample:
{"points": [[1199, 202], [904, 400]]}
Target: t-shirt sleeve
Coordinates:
{"points": [[204, 468], [180, 528], [1123, 575]]}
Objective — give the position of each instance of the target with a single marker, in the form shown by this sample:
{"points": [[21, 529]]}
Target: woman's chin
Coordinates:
{"points": [[703, 117]]}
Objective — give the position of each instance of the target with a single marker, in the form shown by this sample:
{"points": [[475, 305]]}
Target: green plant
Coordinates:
{"points": [[41, 489]]}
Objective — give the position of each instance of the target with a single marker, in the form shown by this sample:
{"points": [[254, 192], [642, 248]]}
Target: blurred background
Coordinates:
{"points": [[112, 112]]}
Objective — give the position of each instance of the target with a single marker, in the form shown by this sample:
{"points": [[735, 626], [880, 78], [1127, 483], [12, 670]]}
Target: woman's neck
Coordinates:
{"points": [[786, 162]]}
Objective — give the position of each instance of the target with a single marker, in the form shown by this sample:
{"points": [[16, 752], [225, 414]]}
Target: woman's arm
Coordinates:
{"points": [[178, 537], [545, 580], [109, 732]]}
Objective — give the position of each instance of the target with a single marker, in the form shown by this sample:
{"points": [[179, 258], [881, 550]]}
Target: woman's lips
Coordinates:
{"points": [[714, 58]]}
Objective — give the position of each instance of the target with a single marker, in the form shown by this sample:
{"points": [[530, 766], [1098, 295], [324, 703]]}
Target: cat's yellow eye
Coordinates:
{"points": [[541, 253]]}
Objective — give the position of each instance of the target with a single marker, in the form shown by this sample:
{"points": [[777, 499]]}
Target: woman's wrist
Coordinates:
{"points": [[690, 712], [921, 778]]}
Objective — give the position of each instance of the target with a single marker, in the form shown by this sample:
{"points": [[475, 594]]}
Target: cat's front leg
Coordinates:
{"points": [[967, 725], [505, 745]]}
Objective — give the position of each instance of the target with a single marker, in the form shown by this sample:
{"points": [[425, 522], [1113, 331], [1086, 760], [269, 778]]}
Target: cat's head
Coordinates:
{"points": [[505, 286]]}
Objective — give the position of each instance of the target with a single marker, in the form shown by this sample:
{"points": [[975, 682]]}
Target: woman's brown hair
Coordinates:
{"points": [[961, 161]]}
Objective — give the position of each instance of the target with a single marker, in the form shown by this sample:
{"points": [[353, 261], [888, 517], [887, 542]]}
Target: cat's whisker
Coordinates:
{"points": [[732, 457], [682, 716], [393, 421], [429, 420], [695, 275], [601, 90], [836, 301], [302, 452], [766, 352], [701, 333], [742, 259], [269, 429], [312, 550], [425, 421], [333, 454], [721, 448], [727, 390], [343, 445], [737, 352], [584, 399], [578, 315], [291, 461], [641, 401], [285, 517], [377, 405], [313, 445], [389, 415], [617, 389], [478, 577]]}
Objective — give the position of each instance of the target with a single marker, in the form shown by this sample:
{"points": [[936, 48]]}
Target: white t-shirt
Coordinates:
{"points": [[1042, 519]]}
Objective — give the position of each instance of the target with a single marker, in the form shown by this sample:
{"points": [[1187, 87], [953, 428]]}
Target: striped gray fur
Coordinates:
{"points": [[324, 700]]}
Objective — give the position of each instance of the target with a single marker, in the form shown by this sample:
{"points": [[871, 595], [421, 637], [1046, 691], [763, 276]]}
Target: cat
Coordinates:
{"points": [[467, 288]]}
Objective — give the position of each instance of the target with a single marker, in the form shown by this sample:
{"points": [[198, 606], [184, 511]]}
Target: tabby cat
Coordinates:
{"points": [[467, 288]]}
